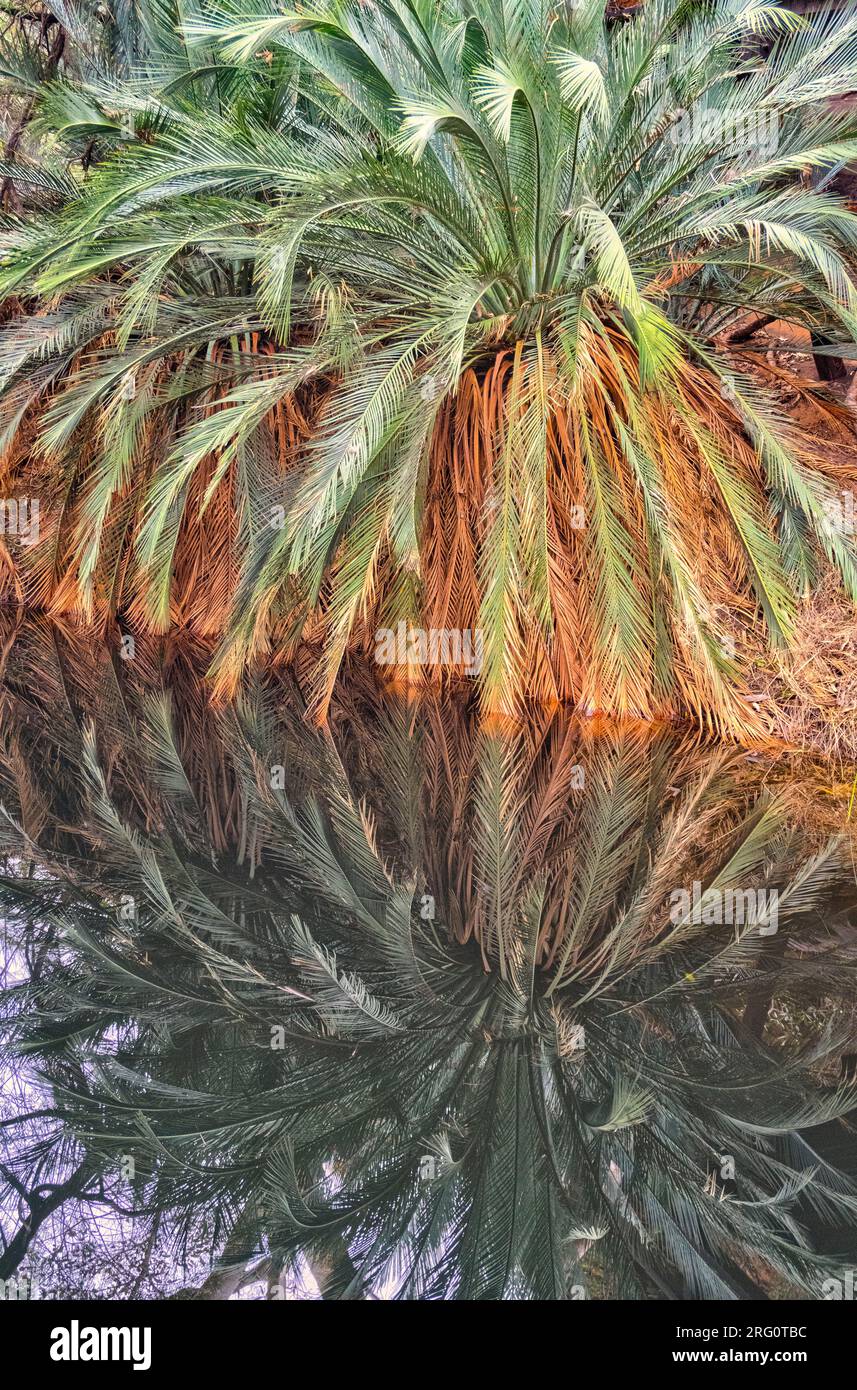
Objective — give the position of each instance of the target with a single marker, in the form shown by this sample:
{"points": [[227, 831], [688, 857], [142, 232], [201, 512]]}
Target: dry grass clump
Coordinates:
{"points": [[809, 692], [805, 696]]}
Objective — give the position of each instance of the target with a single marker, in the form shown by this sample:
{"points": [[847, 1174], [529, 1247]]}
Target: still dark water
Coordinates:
{"points": [[411, 1007]]}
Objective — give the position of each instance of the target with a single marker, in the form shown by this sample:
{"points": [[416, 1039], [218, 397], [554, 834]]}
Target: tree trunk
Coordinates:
{"points": [[40, 1209]]}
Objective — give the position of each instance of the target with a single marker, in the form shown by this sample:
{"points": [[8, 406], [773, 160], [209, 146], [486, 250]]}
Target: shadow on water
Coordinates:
{"points": [[411, 1006]]}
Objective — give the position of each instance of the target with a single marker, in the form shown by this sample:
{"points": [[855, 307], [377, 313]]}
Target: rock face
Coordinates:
{"points": [[814, 6]]}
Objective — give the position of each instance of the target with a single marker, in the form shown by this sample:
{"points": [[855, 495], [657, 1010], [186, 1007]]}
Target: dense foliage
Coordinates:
{"points": [[330, 315]]}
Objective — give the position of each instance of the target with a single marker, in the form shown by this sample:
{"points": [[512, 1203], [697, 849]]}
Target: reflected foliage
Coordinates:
{"points": [[408, 1001]]}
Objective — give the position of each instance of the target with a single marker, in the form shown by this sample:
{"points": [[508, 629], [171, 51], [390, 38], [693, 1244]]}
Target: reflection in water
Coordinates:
{"points": [[413, 1006]]}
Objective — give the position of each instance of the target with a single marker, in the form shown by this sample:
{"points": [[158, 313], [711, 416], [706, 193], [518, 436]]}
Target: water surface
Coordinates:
{"points": [[411, 1006]]}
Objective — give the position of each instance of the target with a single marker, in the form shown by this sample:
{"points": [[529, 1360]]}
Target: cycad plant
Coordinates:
{"points": [[415, 310], [285, 1034]]}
